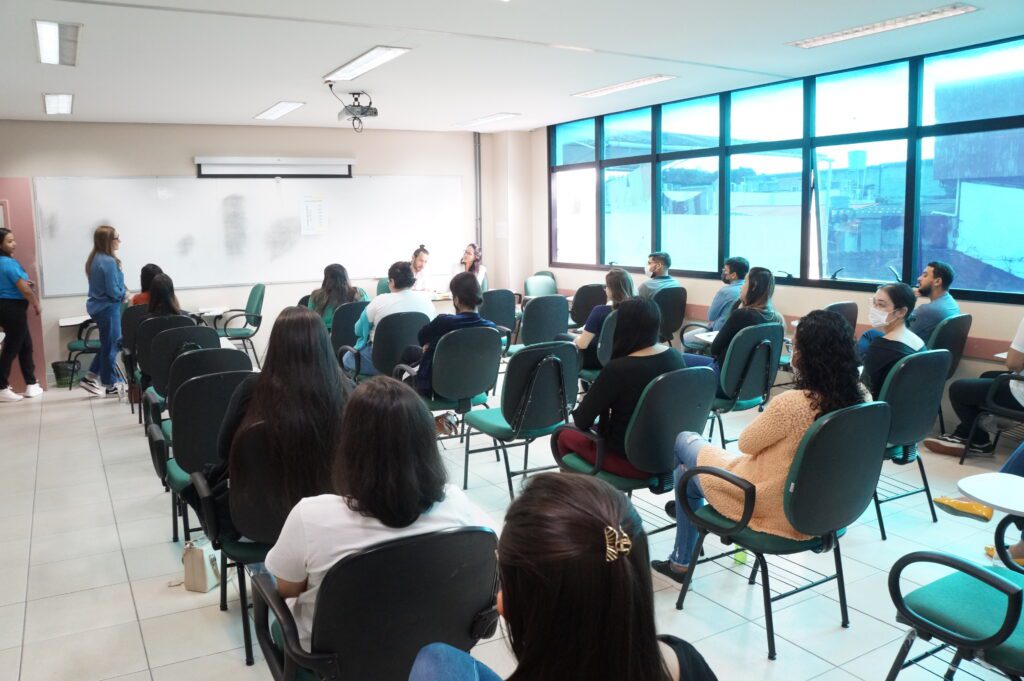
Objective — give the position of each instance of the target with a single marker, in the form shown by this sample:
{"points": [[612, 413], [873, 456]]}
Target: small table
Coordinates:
{"points": [[212, 311], [1001, 491], [73, 321], [706, 337]]}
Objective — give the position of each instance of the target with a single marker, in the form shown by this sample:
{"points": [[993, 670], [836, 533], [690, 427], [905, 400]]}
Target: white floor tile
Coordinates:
{"points": [[497, 655], [217, 667], [72, 613], [154, 560], [45, 523], [13, 584], [10, 664], [742, 653], [67, 576], [193, 633], [166, 594], [12, 619], [78, 544], [86, 656], [72, 497]]}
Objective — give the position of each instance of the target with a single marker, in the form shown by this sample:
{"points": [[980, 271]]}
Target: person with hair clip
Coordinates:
{"points": [[336, 290], [637, 359], [890, 307], [576, 594], [106, 293], [420, 258], [145, 281], [17, 293], [618, 286], [825, 370], [472, 261], [389, 482]]}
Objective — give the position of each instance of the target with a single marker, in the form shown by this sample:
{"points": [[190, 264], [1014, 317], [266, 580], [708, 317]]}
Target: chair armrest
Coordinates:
{"points": [[221, 315], [519, 298], [1004, 555], [355, 353], [745, 486], [253, 319], [157, 451], [507, 333], [1013, 593], [152, 408], [284, 664], [990, 403], [86, 329], [694, 325], [208, 506], [594, 437], [400, 369], [197, 318]]}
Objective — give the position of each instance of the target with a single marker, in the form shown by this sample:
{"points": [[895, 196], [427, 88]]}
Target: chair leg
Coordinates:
{"points": [[942, 422], [721, 428], [901, 656], [465, 466], [223, 582], [767, 594], [508, 473], [526, 456], [174, 517], [841, 583], [690, 568], [497, 450], [878, 512], [711, 428], [186, 530], [243, 602], [927, 489], [954, 665], [970, 438], [752, 580], [255, 355]]}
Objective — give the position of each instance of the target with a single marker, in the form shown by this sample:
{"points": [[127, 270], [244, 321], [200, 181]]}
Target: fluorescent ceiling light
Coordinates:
{"points": [[278, 110], [572, 48], [944, 12], [487, 120], [57, 43], [365, 62], [57, 105], [619, 87]]}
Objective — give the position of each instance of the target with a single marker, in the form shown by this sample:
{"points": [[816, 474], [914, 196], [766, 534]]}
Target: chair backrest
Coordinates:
{"points": [[913, 390], [848, 310], [167, 345], [382, 286], [199, 407], [540, 385], [539, 285], [835, 471], [586, 298], [672, 403], [672, 303], [543, 319], [148, 330], [254, 306], [130, 325], [200, 363], [751, 362], [304, 301], [606, 339], [393, 334], [951, 334], [546, 273], [256, 473], [375, 609], [499, 306], [343, 328], [466, 363]]}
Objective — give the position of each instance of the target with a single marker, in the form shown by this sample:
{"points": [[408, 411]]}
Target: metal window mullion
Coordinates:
{"points": [[806, 221], [599, 190], [655, 179], [724, 185], [911, 223]]}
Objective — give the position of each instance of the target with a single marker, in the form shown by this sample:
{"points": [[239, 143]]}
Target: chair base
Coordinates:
{"points": [[952, 665], [892, 489]]}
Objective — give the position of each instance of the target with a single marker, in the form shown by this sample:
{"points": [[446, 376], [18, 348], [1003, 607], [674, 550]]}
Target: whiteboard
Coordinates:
{"points": [[224, 232]]}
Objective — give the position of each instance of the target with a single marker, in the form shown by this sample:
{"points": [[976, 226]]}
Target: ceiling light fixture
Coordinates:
{"points": [[944, 12], [367, 61], [487, 120], [628, 85], [57, 105], [572, 48], [278, 110], [57, 42]]}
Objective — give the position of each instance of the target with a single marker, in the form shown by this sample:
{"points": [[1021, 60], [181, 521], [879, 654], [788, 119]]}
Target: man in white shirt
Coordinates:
{"points": [[401, 299]]}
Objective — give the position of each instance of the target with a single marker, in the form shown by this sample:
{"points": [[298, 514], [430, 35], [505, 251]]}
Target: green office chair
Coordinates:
{"points": [[392, 335], [586, 298], [252, 317], [748, 373], [605, 341], [87, 342], [830, 483], [544, 319], [499, 306], [539, 285], [951, 334], [382, 286]]}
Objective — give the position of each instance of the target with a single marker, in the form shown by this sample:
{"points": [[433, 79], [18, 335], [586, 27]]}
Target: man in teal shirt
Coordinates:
{"points": [[658, 264]]}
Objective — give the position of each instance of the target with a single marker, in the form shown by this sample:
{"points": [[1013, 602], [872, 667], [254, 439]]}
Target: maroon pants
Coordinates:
{"points": [[571, 441]]}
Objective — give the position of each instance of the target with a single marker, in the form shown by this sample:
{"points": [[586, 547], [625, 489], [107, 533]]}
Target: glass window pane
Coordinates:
{"points": [[574, 142], [768, 114], [627, 134], [627, 214], [971, 202], [859, 197], [765, 209], [575, 215], [984, 83], [689, 213], [690, 125], [858, 101]]}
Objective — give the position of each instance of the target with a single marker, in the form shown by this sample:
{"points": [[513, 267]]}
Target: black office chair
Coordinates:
{"points": [[586, 298], [130, 319], [377, 608], [950, 334], [848, 310], [605, 341], [672, 303], [544, 319], [748, 372], [146, 332], [303, 301], [343, 328], [167, 345], [392, 335], [1000, 418]]}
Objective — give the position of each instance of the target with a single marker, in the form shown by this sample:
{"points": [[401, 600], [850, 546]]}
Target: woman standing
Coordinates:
{"points": [[106, 291], [16, 295]]}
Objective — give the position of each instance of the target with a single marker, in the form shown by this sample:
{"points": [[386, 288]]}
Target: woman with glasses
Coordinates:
{"points": [[106, 291], [890, 307]]}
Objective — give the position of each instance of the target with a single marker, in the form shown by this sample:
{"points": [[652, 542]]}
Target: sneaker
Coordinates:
{"points": [[953, 445], [89, 383], [91, 377], [664, 567], [986, 448], [105, 391], [90, 387], [33, 390], [8, 395]]}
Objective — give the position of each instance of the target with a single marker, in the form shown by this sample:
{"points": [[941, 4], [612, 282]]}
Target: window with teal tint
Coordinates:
{"points": [[970, 207], [627, 214], [767, 114], [987, 82], [858, 211], [862, 100], [765, 209], [574, 142], [627, 134], [689, 213], [575, 216], [693, 124]]}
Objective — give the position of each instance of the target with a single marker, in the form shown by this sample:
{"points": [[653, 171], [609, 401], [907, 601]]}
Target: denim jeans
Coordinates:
{"points": [[441, 662], [366, 367], [686, 451], [108, 320]]}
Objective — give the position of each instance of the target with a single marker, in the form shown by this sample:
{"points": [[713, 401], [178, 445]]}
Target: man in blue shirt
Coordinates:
{"points": [[933, 284], [658, 264], [734, 271]]}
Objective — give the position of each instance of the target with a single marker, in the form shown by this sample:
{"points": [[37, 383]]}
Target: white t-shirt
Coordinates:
{"points": [[481, 272], [1017, 387], [322, 530], [406, 300]]}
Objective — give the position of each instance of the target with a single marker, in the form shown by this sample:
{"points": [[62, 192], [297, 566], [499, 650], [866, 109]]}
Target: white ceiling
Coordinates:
{"points": [[224, 61]]}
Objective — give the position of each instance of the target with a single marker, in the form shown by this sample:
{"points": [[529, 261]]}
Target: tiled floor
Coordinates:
{"points": [[89, 581]]}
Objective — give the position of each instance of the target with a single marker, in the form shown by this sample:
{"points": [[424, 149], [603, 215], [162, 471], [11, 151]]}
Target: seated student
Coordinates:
{"points": [[826, 380], [619, 287], [334, 291], [420, 258], [658, 264], [933, 286], [890, 307], [637, 359], [472, 261], [389, 482], [734, 271], [145, 280], [401, 299], [162, 300], [576, 594], [968, 395]]}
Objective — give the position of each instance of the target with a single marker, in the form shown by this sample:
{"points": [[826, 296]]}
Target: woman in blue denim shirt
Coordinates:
{"points": [[106, 293]]}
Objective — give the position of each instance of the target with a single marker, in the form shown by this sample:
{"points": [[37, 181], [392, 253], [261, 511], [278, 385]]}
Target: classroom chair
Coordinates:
{"points": [[499, 306], [343, 328], [544, 318], [547, 273], [144, 335], [87, 342], [586, 298], [993, 416], [950, 334], [539, 285], [165, 348], [251, 316], [672, 304], [393, 334], [382, 286], [848, 310], [747, 374], [830, 483], [605, 341], [303, 301], [130, 319]]}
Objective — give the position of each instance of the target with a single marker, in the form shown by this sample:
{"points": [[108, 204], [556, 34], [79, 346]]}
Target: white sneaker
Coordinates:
{"points": [[8, 395], [91, 387], [104, 391], [33, 390], [91, 377]]}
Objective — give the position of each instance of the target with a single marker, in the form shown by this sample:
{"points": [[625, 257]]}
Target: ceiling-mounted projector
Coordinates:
{"points": [[356, 111]]}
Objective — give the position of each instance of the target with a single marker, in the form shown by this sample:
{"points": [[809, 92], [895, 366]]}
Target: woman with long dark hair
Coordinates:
{"points": [[337, 289], [618, 286], [637, 359], [576, 593], [106, 292], [162, 300], [890, 307], [825, 368], [16, 295], [472, 261], [389, 481], [149, 271]]}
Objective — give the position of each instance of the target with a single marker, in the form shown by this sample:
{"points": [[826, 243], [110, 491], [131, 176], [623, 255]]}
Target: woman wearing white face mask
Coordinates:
{"points": [[890, 307]]}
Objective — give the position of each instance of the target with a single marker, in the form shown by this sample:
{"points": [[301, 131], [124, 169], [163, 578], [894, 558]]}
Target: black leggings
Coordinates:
{"points": [[967, 397], [17, 341]]}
